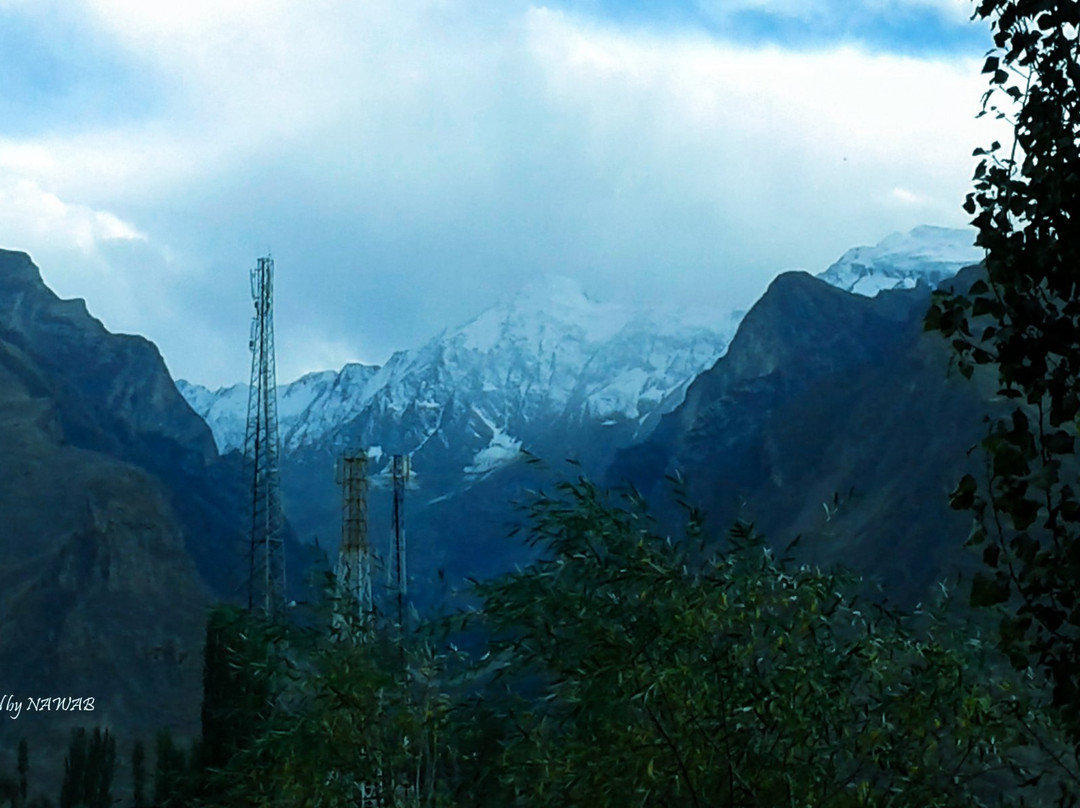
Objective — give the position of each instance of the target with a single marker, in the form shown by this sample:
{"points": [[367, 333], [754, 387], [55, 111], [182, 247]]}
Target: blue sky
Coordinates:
{"points": [[915, 28], [411, 162]]}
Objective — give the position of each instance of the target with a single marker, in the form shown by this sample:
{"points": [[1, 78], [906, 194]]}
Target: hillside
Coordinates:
{"points": [[118, 518]]}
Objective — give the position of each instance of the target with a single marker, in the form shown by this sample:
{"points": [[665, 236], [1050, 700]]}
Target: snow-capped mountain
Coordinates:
{"points": [[307, 407], [550, 354], [549, 371], [900, 261]]}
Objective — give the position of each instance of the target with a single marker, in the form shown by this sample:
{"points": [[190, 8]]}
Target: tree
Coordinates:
{"points": [[169, 770], [350, 723], [657, 672], [627, 668], [238, 673], [72, 789], [138, 775], [88, 770], [23, 768], [1023, 320]]}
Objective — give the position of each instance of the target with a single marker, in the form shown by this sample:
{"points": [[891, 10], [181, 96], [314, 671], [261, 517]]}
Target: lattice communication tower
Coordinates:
{"points": [[354, 554], [266, 557], [397, 569]]}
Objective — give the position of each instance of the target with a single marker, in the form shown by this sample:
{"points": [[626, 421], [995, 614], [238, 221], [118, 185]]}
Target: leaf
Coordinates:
{"points": [[986, 591], [963, 496]]}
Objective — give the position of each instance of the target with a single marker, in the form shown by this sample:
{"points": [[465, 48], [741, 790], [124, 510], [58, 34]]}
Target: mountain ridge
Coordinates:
{"points": [[558, 308], [113, 496]]}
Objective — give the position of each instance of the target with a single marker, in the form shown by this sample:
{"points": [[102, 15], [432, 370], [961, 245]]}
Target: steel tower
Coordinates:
{"points": [[266, 558], [354, 555], [398, 568]]}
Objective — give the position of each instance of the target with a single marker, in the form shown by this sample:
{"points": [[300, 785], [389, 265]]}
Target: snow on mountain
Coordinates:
{"points": [[307, 407], [550, 354], [900, 261], [224, 410], [549, 358]]}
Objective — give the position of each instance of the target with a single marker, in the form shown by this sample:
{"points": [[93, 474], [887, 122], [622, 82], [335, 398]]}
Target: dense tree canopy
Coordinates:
{"points": [[628, 668]]}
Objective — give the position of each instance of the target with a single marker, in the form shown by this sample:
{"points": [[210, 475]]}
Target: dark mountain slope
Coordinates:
{"points": [[832, 417], [113, 395], [98, 597], [118, 526]]}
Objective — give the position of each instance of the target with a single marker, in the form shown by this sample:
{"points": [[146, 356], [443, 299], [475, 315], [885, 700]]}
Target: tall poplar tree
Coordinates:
{"points": [[1023, 320]]}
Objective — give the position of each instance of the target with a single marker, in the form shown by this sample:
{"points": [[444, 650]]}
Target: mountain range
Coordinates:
{"points": [[559, 375], [823, 411]]}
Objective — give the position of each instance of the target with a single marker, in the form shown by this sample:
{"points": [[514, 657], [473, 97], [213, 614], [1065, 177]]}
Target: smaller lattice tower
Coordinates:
{"points": [[397, 569], [354, 555], [266, 556]]}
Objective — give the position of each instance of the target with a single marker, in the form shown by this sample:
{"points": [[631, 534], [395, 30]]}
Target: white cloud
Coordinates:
{"points": [[41, 217], [409, 162]]}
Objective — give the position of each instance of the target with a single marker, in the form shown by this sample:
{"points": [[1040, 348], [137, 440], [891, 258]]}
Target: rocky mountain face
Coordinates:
{"points": [[549, 371], [558, 375], [549, 354], [834, 418], [117, 515]]}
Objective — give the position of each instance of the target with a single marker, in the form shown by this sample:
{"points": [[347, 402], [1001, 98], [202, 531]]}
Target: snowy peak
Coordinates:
{"points": [[551, 301], [308, 406], [548, 355], [900, 261]]}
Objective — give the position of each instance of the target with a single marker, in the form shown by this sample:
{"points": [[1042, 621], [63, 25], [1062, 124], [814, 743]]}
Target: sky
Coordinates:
{"points": [[408, 163]]}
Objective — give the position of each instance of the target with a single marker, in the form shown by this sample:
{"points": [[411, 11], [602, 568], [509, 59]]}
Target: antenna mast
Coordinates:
{"points": [[266, 558], [354, 556], [400, 471]]}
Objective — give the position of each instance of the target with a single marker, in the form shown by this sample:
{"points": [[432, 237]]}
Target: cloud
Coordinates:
{"points": [[39, 215], [411, 162]]}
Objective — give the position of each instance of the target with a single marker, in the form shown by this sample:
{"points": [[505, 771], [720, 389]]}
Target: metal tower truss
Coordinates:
{"points": [[397, 570], [354, 554], [266, 557]]}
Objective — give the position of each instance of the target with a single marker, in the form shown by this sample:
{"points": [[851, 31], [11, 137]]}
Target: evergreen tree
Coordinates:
{"points": [[72, 789], [23, 768], [9, 791], [88, 770], [138, 775], [169, 770], [236, 682]]}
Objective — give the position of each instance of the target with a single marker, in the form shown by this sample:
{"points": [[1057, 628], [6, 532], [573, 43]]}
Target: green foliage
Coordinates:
{"points": [[238, 671], [1024, 320], [138, 775], [23, 768], [676, 673], [171, 784], [625, 668], [343, 719], [88, 770]]}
